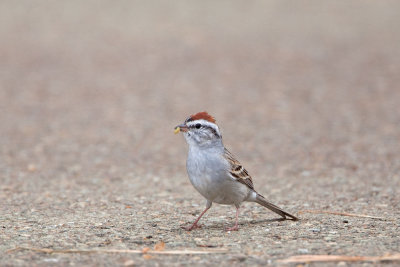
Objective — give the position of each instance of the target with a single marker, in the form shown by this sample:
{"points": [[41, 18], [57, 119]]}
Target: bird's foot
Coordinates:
{"points": [[190, 228], [234, 228]]}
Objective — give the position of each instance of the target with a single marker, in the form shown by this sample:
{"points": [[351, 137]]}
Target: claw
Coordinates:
{"points": [[190, 228]]}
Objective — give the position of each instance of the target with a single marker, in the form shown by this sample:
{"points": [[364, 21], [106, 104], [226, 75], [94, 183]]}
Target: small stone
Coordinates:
{"points": [[239, 257], [31, 167], [303, 250], [129, 263], [50, 260]]}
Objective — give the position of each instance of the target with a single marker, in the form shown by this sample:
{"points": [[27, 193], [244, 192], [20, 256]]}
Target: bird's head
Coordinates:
{"points": [[200, 129]]}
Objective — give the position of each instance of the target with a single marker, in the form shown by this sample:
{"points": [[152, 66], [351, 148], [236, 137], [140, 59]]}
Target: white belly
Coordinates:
{"points": [[209, 175]]}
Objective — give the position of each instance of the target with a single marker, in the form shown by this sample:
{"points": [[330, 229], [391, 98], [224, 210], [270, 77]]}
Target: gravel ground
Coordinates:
{"points": [[306, 93]]}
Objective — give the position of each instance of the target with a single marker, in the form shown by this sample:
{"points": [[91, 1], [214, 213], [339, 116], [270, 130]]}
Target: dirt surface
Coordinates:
{"points": [[306, 94]]}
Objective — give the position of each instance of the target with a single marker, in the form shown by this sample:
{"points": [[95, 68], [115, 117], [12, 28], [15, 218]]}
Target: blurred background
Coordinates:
{"points": [[306, 94]]}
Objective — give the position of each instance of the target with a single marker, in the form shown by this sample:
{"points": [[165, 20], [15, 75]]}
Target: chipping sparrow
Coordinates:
{"points": [[215, 173]]}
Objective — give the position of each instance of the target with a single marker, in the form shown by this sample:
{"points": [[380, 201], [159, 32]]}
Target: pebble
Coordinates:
{"points": [[303, 250], [129, 263], [50, 260]]}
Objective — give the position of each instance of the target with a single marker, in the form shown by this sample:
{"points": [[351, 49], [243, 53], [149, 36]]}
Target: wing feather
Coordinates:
{"points": [[237, 171]]}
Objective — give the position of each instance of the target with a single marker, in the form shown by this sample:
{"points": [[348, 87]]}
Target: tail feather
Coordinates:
{"points": [[263, 202]]}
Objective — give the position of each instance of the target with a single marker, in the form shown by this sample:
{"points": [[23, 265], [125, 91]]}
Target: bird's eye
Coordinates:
{"points": [[198, 125]]}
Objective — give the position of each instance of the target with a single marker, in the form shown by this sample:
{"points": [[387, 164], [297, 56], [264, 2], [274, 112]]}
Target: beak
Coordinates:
{"points": [[181, 128]]}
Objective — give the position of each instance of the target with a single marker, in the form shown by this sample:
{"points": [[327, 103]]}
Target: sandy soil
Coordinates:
{"points": [[306, 93]]}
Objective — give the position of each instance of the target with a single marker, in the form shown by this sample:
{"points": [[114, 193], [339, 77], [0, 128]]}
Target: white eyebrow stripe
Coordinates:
{"points": [[205, 123], [202, 122]]}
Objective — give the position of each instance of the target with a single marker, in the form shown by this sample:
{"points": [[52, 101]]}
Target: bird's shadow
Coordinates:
{"points": [[266, 221], [218, 226]]}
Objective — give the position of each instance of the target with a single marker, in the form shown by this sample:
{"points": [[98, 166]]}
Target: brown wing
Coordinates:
{"points": [[237, 170]]}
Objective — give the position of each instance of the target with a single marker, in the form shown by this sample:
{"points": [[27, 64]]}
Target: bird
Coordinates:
{"points": [[215, 172]]}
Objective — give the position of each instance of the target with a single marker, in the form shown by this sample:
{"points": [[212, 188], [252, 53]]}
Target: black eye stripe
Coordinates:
{"points": [[198, 126]]}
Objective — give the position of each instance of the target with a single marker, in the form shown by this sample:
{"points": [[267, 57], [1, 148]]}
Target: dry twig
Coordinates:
{"points": [[129, 251], [342, 214], [337, 258]]}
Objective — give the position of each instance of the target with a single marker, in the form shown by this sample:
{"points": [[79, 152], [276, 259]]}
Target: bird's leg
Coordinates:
{"points": [[195, 225], [236, 227]]}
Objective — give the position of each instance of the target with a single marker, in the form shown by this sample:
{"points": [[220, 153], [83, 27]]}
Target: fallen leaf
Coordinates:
{"points": [[159, 246], [147, 256]]}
